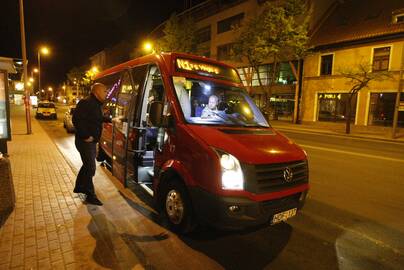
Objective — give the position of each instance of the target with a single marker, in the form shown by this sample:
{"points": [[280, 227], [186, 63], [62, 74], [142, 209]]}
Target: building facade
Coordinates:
{"points": [[349, 38], [215, 21]]}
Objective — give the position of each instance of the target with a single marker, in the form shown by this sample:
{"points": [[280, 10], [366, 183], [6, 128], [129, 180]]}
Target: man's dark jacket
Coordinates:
{"points": [[87, 118]]}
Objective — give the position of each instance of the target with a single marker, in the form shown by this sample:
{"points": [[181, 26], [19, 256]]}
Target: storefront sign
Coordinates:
{"points": [[4, 117]]}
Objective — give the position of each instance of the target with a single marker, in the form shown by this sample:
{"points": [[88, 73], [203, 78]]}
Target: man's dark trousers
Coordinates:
{"points": [[84, 182]]}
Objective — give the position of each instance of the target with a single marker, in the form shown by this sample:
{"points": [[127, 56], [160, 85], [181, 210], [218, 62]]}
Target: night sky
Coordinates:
{"points": [[74, 30]]}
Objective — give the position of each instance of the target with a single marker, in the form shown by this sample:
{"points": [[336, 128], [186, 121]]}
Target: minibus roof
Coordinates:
{"points": [[164, 58]]}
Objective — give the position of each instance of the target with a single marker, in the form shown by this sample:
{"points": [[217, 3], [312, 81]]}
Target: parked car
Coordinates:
{"points": [[67, 120], [46, 110]]}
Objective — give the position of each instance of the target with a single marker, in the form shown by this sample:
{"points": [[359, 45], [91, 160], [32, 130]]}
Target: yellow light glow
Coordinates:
{"points": [[50, 88], [94, 70], [246, 110], [36, 70], [44, 50], [29, 83], [64, 87], [147, 46], [19, 86], [31, 79], [274, 151]]}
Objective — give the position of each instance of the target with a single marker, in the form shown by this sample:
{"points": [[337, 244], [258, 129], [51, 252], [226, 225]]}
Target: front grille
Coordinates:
{"points": [[270, 177]]}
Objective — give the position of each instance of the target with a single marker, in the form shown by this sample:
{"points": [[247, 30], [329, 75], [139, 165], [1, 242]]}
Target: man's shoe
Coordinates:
{"points": [[92, 199]]}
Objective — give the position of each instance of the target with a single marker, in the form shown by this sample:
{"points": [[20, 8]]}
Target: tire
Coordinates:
{"points": [[176, 206]]}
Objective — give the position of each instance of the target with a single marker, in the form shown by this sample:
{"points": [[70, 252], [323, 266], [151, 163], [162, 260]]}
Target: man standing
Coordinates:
{"points": [[87, 119]]}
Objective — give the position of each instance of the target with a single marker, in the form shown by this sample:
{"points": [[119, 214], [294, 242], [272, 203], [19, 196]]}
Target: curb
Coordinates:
{"points": [[338, 134]]}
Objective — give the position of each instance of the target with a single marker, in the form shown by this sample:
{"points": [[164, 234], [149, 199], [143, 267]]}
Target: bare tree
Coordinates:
{"points": [[359, 78]]}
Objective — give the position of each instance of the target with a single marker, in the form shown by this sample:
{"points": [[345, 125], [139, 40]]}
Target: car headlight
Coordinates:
{"points": [[232, 175]]}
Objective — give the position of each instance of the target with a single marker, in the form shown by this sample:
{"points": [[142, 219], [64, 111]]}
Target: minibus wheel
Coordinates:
{"points": [[176, 206]]}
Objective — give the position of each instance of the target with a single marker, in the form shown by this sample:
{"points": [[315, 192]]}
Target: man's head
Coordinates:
{"points": [[99, 91], [213, 101]]}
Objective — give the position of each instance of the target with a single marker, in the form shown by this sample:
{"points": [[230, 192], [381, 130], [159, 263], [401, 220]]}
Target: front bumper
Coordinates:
{"points": [[215, 210]]}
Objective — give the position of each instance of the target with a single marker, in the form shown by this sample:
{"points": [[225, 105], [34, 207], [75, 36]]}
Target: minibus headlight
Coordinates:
{"points": [[232, 175]]}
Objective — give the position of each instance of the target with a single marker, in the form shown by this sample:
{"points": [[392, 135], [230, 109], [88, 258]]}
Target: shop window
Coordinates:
{"points": [[332, 107], [326, 64], [381, 58], [381, 109], [285, 75], [229, 23], [203, 35], [224, 52]]}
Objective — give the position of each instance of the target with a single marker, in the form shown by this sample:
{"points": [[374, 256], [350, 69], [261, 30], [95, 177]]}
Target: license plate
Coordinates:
{"points": [[282, 216]]}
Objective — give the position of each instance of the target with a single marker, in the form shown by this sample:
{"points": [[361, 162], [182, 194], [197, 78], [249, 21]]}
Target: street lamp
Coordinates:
{"points": [[148, 47], [44, 51], [50, 95]]}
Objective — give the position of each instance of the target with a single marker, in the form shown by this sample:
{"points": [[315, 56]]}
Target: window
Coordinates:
{"points": [[381, 58], [112, 82], [123, 104], [284, 74], [332, 106], [229, 23], [224, 51], [398, 18], [381, 109], [326, 64], [203, 35]]}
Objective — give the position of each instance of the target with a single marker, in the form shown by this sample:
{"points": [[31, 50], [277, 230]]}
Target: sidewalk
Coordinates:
{"points": [[51, 228], [374, 132]]}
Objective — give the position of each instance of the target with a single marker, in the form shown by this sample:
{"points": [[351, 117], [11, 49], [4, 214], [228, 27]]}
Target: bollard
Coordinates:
{"points": [[7, 194]]}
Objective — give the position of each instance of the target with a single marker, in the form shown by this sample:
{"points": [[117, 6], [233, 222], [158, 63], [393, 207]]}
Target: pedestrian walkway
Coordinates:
{"points": [[374, 132], [51, 227]]}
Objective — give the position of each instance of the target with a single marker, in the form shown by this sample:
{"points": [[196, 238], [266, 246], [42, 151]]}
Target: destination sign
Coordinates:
{"points": [[207, 69]]}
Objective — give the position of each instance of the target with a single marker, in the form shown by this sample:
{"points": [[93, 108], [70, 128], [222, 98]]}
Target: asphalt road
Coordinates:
{"points": [[353, 218]]}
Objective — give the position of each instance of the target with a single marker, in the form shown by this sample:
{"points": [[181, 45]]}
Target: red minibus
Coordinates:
{"points": [[184, 128]]}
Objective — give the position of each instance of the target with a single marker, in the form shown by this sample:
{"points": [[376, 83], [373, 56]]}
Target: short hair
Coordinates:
{"points": [[95, 86]]}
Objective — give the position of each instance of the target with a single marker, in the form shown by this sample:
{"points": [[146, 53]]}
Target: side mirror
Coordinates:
{"points": [[155, 113]]}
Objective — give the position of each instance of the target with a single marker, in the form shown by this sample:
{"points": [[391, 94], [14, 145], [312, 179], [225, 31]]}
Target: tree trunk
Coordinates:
{"points": [[348, 115]]}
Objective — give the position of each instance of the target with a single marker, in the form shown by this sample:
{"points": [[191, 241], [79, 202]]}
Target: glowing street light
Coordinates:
{"points": [[36, 70], [148, 46], [45, 51], [31, 80]]}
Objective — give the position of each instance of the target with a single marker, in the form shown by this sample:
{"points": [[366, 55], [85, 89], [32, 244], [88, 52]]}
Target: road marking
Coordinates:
{"points": [[343, 136], [351, 153]]}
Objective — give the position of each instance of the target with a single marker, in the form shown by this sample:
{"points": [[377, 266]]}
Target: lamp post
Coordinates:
{"points": [[44, 51]]}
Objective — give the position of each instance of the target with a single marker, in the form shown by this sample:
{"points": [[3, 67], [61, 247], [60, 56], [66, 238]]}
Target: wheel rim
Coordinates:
{"points": [[174, 206]]}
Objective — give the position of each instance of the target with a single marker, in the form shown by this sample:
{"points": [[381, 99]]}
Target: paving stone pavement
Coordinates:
{"points": [[51, 227]]}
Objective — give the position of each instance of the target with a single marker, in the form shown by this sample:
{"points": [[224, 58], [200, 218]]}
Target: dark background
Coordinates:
{"points": [[74, 30]]}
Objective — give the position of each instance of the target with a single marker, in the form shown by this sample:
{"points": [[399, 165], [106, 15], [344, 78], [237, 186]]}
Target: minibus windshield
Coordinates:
{"points": [[207, 103]]}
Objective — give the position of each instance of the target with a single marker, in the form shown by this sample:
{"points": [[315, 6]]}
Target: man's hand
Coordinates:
{"points": [[89, 139]]}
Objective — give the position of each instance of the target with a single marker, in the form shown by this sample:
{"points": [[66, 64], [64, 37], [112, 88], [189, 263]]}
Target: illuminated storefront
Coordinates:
{"points": [[332, 107], [381, 109]]}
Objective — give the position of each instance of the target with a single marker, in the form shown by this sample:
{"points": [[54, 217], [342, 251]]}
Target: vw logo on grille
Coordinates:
{"points": [[288, 174]]}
